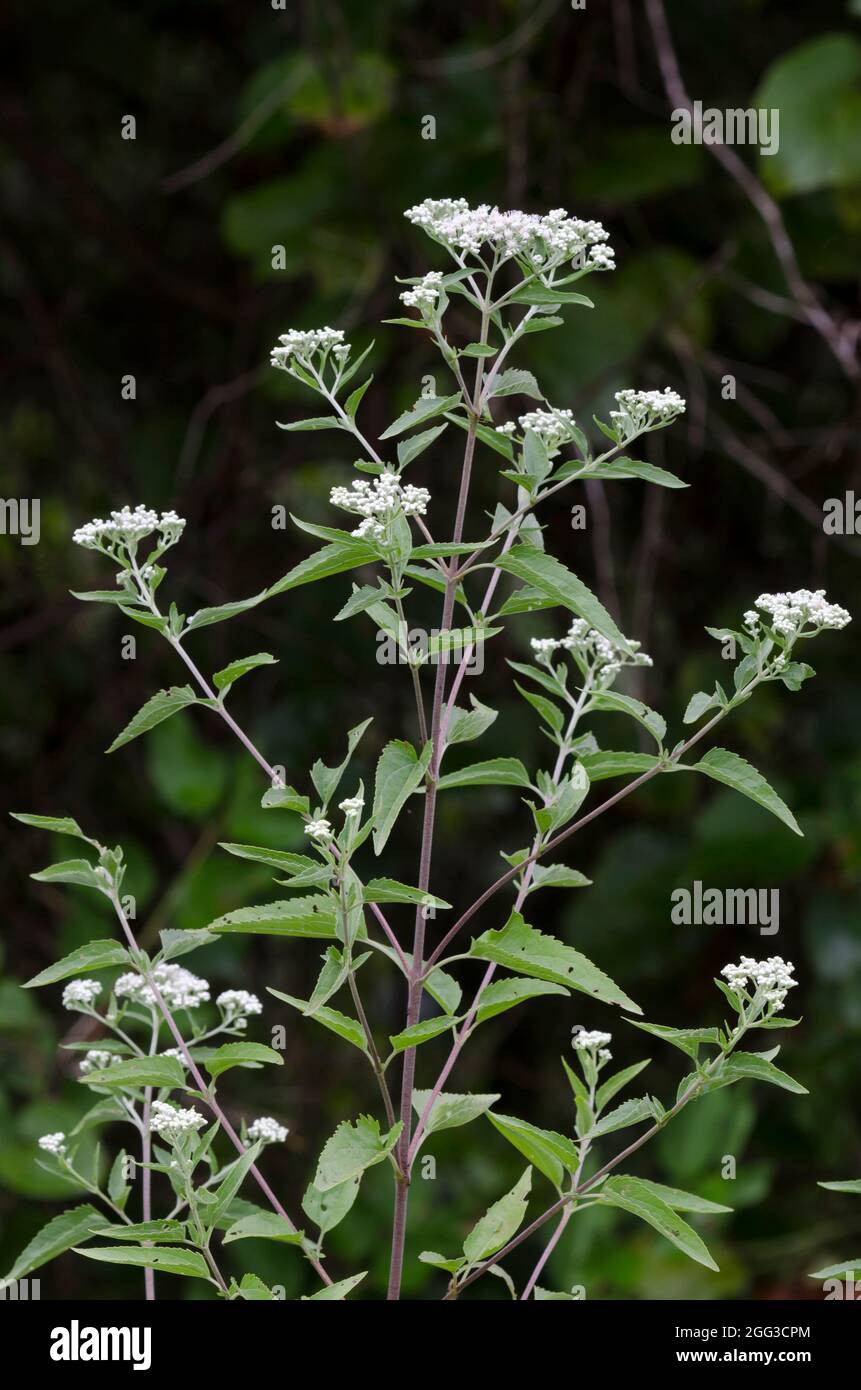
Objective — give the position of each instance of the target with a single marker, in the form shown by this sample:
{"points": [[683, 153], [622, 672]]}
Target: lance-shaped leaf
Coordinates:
{"points": [[603, 765], [614, 1084], [350, 1029], [500, 1222], [422, 1032], [849, 1185], [388, 890], [78, 871], [840, 1270], [727, 767], [61, 1233], [638, 1198], [277, 858], [743, 1065], [267, 1225], [450, 1110], [557, 876], [311, 916], [241, 1054], [352, 1149], [400, 771], [331, 559], [630, 1112], [529, 952], [620, 468], [497, 772], [168, 1259], [326, 779], [688, 1040], [140, 1071], [57, 825], [335, 1293], [625, 704], [552, 1154], [162, 1232], [160, 707], [231, 1183], [96, 955], [506, 994], [229, 675], [425, 408], [552, 578], [683, 1201]]}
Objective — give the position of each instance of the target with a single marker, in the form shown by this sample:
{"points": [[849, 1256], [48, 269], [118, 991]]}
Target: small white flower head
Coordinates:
{"points": [[380, 502], [319, 829], [81, 994], [179, 988], [309, 347], [352, 806], [267, 1129], [177, 1053], [544, 647], [604, 1054], [554, 426], [127, 527], [771, 980], [425, 294], [584, 1041], [509, 428], [98, 1059], [173, 1123], [801, 613], [237, 1005], [540, 242], [592, 651], [54, 1144], [640, 411]]}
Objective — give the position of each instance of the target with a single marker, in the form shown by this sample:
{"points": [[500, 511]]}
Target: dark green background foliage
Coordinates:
{"points": [[257, 128]]}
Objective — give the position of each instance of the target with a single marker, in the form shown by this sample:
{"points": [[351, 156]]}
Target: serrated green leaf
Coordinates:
{"points": [[497, 772], [160, 707], [388, 890], [268, 1225], [636, 1197], [331, 559], [500, 1222], [139, 1071], [451, 1110], [733, 771], [336, 1293], [240, 1054], [551, 1153], [96, 955], [228, 675], [560, 584], [168, 1259], [421, 1032], [507, 994], [650, 720], [352, 1149], [328, 1209], [425, 408], [400, 771], [59, 1234], [527, 951], [350, 1029], [311, 916]]}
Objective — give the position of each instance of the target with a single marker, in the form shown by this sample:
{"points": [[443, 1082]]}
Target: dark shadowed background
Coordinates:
{"points": [[303, 128]]}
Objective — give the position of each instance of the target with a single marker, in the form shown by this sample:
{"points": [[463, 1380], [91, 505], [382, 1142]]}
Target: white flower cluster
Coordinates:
{"points": [[267, 1129], [380, 502], [645, 410], [771, 978], [352, 806], [177, 1053], [801, 613], [542, 240], [128, 526], [595, 1042], [605, 657], [81, 994], [54, 1144], [237, 1005], [98, 1059], [553, 426], [319, 829], [171, 1122], [425, 294], [307, 343], [178, 987]]}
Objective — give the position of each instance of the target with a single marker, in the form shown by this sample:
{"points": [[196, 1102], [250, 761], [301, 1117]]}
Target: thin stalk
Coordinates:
{"points": [[146, 1155]]}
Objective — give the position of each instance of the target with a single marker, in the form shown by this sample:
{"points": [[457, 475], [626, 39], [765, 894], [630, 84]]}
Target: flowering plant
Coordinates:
{"points": [[515, 271]]}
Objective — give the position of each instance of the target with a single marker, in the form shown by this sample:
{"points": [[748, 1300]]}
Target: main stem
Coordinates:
{"points": [[415, 985]]}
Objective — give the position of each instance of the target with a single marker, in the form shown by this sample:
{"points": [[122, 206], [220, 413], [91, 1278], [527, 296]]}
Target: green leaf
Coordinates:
{"points": [[551, 1153], [549, 1296], [421, 1032], [313, 422], [350, 1029], [747, 1064], [557, 876], [331, 559], [409, 449], [497, 772], [168, 1259], [226, 677], [240, 1054], [326, 779], [388, 890], [59, 1234], [311, 916], [58, 825], [630, 1112], [838, 1271], [733, 771], [177, 942], [553, 579], [451, 1266], [140, 1071], [515, 382], [205, 617], [354, 400], [276, 858], [400, 771], [698, 704], [231, 1183], [268, 1225], [637, 1197], [444, 988], [602, 765], [450, 1110], [506, 994], [166, 1230], [500, 1222], [688, 1040], [621, 468], [425, 408], [614, 1084], [327, 1209], [285, 799], [465, 725], [78, 871], [683, 1201], [653, 722], [361, 598], [851, 1185], [96, 955], [815, 87], [336, 1293], [160, 707], [529, 952], [542, 294], [352, 1149]]}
